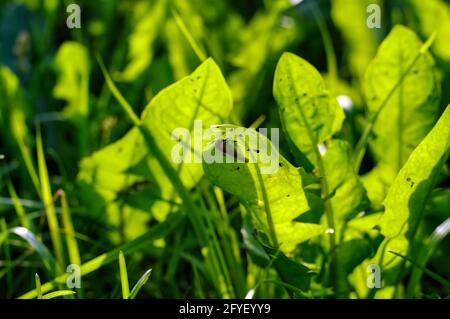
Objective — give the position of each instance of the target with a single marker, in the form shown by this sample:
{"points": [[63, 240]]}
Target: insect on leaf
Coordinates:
{"points": [[285, 195]]}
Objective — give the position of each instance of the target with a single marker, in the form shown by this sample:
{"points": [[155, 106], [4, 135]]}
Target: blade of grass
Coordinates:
{"points": [[72, 245], [124, 276], [159, 231], [38, 286], [20, 211], [29, 164], [141, 282], [112, 87], [188, 35], [433, 275], [47, 258], [7, 252], [424, 255], [58, 293], [48, 201]]}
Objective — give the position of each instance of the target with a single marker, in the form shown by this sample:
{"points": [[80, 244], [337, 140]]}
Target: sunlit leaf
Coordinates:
{"points": [[310, 115], [283, 188], [434, 16], [412, 109], [349, 196], [409, 192], [361, 41], [202, 96], [73, 78], [148, 18]]}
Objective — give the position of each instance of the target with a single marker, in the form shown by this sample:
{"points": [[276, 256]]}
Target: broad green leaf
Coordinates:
{"points": [[407, 197], [73, 87], [412, 109], [310, 115], [411, 188], [202, 96], [349, 196], [434, 16], [350, 16], [148, 18], [283, 188], [377, 183], [73, 78]]}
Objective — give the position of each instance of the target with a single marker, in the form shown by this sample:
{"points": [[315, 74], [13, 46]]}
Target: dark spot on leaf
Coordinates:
{"points": [[280, 164], [288, 195]]}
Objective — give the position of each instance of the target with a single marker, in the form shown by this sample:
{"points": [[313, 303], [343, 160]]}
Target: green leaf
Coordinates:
{"points": [[202, 96], [290, 272], [410, 112], [279, 194], [310, 115], [351, 254], [73, 78], [434, 16], [148, 18], [349, 196], [360, 40], [73, 86], [411, 188]]}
